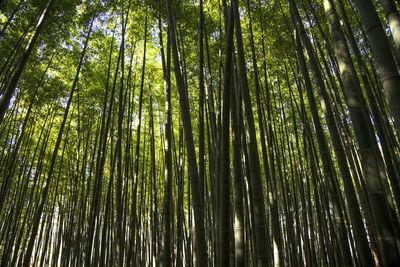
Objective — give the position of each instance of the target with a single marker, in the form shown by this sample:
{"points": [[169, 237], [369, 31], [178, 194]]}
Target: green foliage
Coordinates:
{"points": [[48, 77]]}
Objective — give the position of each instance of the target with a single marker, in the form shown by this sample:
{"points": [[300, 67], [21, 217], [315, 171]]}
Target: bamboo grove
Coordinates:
{"points": [[199, 133]]}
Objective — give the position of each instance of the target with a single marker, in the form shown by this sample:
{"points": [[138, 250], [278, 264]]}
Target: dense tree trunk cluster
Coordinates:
{"points": [[199, 133]]}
